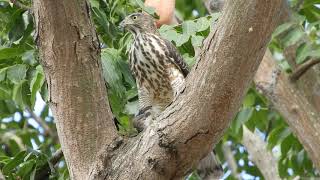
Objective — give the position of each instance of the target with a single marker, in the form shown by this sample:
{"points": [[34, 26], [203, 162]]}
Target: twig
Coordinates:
{"points": [[20, 5], [56, 156], [301, 69], [43, 124], [232, 164], [44, 172]]}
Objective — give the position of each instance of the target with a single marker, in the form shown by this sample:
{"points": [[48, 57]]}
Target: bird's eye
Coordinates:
{"points": [[134, 17]]}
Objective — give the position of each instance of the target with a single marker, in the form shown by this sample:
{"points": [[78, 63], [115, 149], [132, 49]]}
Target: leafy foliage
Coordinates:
{"points": [[27, 146]]}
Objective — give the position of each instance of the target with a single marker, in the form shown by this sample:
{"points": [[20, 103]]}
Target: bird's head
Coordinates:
{"points": [[139, 23]]}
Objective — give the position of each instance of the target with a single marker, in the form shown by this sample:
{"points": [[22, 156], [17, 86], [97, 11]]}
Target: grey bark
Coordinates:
{"points": [[187, 129], [179, 138], [302, 117], [70, 55], [299, 100]]}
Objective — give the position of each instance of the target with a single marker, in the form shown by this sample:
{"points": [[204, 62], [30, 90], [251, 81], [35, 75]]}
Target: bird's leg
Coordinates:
{"points": [[139, 121]]}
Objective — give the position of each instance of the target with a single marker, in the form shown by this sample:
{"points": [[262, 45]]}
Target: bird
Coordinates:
{"points": [[159, 70], [156, 64]]}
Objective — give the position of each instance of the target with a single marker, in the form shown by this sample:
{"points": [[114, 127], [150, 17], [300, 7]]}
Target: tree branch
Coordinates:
{"points": [[43, 124], [259, 154], [301, 69], [308, 87], [56, 157], [44, 172], [232, 164], [308, 82], [70, 55], [300, 115], [186, 131]]}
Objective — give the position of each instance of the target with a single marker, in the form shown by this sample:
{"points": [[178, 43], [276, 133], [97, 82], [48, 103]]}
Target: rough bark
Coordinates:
{"points": [[300, 114], [305, 93], [70, 53], [259, 154], [187, 129], [309, 84]]}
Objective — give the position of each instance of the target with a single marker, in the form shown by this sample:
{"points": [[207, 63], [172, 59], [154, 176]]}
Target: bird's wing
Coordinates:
{"points": [[177, 58]]}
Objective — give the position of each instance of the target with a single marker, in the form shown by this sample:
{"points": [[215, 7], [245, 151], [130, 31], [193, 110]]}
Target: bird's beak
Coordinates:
{"points": [[123, 23]]}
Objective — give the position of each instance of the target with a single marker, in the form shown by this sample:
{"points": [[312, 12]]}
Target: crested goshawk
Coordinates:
{"points": [[160, 73]]}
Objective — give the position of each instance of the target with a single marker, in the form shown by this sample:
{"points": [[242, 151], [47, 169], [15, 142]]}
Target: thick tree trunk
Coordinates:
{"points": [[186, 131], [77, 95]]}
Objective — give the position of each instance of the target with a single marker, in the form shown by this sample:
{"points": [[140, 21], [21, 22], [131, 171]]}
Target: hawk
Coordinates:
{"points": [[157, 66], [159, 70]]}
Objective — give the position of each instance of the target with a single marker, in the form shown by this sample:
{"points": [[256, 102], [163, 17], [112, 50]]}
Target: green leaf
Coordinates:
{"points": [[283, 167], [132, 107], [302, 52], [215, 16], [165, 28], [169, 34], [44, 91], [315, 53], [17, 73], [293, 37], [311, 12], [277, 136], [178, 38], [282, 28], [3, 73], [109, 58], [15, 162], [28, 57], [306, 50], [181, 39], [249, 100], [189, 60], [189, 27], [7, 53], [196, 40], [25, 168], [36, 83], [286, 145], [243, 116], [5, 92], [113, 76], [203, 24], [21, 94]]}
